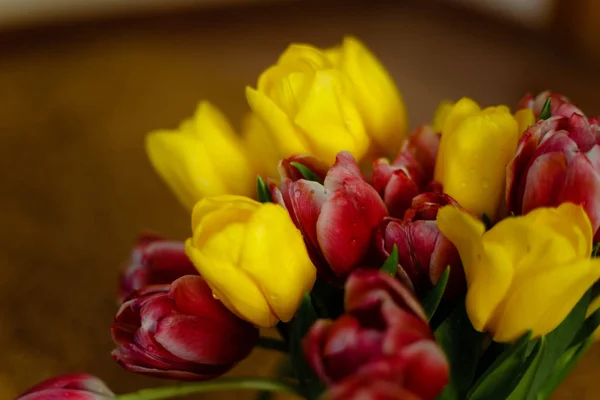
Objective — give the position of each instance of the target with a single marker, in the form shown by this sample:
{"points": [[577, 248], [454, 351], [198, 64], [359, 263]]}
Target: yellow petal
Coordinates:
{"points": [[261, 148], [214, 203], [440, 115], [525, 119], [274, 255], [225, 151], [330, 120], [541, 303], [463, 109], [474, 161], [288, 139], [233, 287], [375, 94], [183, 163]]}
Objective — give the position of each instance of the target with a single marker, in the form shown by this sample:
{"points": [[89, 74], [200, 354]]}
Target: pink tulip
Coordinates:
{"points": [[337, 218], [557, 160], [180, 331], [70, 386], [361, 387], [154, 260], [409, 174], [559, 104], [383, 334], [423, 251]]}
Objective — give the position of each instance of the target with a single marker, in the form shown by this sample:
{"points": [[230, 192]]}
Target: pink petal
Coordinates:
{"points": [[345, 169], [76, 381], [382, 172], [400, 192], [426, 369], [581, 133], [287, 170], [313, 344], [544, 181], [62, 394]]}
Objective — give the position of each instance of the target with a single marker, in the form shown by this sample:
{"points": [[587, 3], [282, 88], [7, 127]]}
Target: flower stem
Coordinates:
{"points": [[273, 344], [185, 389]]}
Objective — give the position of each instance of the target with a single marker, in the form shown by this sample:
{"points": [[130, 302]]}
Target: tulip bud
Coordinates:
{"points": [[559, 104], [337, 218], [410, 172], [154, 261], [252, 256], [557, 160], [423, 252], [475, 147], [383, 333], [180, 331], [526, 273], [360, 387], [70, 386], [288, 168], [204, 157]]}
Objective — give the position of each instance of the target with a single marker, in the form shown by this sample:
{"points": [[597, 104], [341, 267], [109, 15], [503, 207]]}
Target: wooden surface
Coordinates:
{"points": [[76, 101]]}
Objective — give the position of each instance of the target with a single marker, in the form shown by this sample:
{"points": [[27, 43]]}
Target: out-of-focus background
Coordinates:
{"points": [[82, 81]]}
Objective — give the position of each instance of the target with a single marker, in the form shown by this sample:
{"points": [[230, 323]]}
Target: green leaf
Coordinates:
{"points": [[306, 172], [557, 342], [262, 191], [432, 300], [563, 366], [305, 317], [530, 369], [462, 345], [595, 249], [588, 328], [500, 379], [390, 266], [546, 110]]}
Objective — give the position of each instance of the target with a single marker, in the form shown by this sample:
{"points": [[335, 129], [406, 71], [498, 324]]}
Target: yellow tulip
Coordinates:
{"points": [[204, 157], [260, 145], [252, 256], [440, 115], [475, 148], [527, 272], [375, 94]]}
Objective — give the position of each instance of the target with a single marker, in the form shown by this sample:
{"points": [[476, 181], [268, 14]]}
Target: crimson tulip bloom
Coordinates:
{"points": [[409, 174], [180, 331], [365, 386], [154, 260], [557, 160], [423, 251], [384, 333], [337, 218], [559, 104], [77, 386]]}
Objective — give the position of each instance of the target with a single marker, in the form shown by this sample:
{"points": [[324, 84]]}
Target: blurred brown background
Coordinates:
{"points": [[77, 98]]}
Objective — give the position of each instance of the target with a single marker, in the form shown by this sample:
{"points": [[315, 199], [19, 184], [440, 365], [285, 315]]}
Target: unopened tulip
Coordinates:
{"points": [[203, 157], [361, 387], [337, 218], [382, 334], [180, 331], [423, 252], [409, 174], [475, 147], [70, 386], [252, 256], [526, 273], [375, 94], [557, 160], [154, 260], [559, 104]]}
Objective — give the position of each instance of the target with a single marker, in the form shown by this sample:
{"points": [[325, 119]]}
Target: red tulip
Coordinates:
{"points": [[409, 174], [180, 331], [384, 333], [557, 161], [70, 386], [361, 387], [287, 169], [423, 251], [154, 260], [559, 104], [337, 218]]}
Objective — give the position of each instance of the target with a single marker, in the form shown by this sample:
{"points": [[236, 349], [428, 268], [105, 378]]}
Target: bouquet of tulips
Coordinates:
{"points": [[455, 262]]}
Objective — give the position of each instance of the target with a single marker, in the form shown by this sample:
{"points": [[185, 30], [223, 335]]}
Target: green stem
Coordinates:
{"points": [[185, 389], [272, 344]]}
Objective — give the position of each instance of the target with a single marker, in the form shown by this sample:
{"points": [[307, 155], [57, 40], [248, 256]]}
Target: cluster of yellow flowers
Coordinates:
{"points": [[526, 273]]}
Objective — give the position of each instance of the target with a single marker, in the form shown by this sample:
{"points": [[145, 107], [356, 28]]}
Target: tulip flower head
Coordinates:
{"points": [[203, 157], [526, 273], [70, 386], [180, 331], [252, 256]]}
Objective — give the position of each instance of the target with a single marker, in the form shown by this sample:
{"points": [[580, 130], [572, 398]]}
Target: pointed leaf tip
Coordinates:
{"points": [[306, 172], [546, 110], [390, 266], [262, 191]]}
